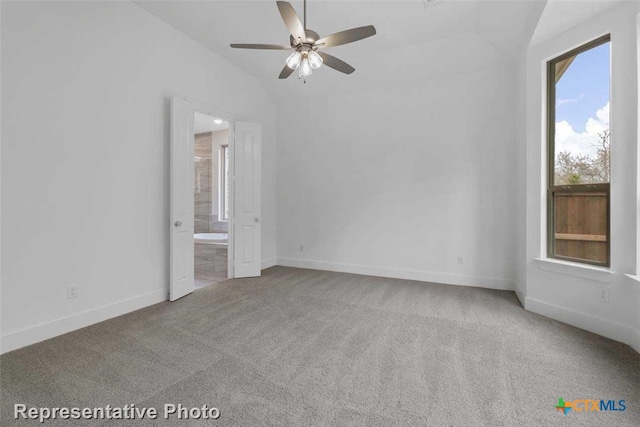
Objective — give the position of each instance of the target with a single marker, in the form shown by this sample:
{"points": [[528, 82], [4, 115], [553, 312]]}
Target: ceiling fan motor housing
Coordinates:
{"points": [[312, 36]]}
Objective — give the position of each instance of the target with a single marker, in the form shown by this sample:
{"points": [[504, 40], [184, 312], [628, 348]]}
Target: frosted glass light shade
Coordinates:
{"points": [[293, 61], [315, 60], [305, 68]]}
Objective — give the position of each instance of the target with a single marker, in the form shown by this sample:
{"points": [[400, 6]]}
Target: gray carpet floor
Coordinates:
{"points": [[302, 347]]}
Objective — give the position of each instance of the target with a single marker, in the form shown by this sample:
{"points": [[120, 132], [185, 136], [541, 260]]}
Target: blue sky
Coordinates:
{"points": [[582, 100], [584, 87]]}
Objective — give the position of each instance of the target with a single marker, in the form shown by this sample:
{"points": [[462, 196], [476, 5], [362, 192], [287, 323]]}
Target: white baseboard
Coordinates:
{"points": [[521, 297], [43, 331], [607, 328], [635, 340], [267, 263], [423, 276]]}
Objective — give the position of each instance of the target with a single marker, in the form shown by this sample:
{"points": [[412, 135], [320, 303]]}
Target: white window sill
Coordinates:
{"points": [[584, 271], [634, 277]]}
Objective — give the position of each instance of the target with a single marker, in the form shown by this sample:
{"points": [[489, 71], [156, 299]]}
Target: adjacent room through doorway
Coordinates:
{"points": [[211, 199]]}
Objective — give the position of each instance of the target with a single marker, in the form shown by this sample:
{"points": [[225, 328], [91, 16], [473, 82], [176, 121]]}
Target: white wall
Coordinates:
{"points": [[85, 141], [559, 290], [402, 178], [635, 341]]}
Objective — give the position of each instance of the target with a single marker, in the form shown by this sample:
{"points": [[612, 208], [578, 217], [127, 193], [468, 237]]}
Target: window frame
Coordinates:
{"points": [[552, 189], [222, 206]]}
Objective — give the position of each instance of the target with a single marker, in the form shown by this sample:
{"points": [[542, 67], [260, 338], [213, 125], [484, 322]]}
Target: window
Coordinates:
{"points": [[223, 189], [579, 154]]}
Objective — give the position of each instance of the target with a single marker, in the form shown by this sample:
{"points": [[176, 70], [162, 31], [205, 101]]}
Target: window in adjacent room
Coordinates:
{"points": [[224, 183], [579, 146]]}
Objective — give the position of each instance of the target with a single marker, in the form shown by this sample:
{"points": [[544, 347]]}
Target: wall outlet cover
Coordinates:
{"points": [[603, 295], [72, 291]]}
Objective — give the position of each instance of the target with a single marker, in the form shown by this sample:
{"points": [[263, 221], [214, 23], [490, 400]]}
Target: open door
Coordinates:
{"points": [[247, 148], [182, 220]]}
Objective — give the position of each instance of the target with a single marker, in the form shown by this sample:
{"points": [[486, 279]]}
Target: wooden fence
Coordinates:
{"points": [[581, 226]]}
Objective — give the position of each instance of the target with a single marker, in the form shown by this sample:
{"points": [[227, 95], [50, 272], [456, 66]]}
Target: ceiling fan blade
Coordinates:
{"points": [[286, 72], [336, 64], [291, 20], [347, 36], [259, 46]]}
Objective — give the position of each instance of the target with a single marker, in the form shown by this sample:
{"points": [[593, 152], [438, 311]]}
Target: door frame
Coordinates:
{"points": [[203, 108]]}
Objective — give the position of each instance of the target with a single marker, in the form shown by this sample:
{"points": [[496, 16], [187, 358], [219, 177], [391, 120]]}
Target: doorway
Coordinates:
{"points": [[233, 227], [211, 199]]}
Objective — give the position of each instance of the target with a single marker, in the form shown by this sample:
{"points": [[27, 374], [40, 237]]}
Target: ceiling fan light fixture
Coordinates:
{"points": [[305, 68], [305, 42], [315, 60], [293, 61]]}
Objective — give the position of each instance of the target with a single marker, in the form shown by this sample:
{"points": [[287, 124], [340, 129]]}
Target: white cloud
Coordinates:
{"points": [[603, 114], [567, 139], [561, 101]]}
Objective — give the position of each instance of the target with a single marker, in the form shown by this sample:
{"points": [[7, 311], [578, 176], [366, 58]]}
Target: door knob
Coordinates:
{"points": [[177, 223], [257, 219]]}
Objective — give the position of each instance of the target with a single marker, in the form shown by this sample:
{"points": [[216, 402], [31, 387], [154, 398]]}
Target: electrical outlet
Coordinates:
{"points": [[603, 295], [460, 260], [72, 291], [301, 248]]}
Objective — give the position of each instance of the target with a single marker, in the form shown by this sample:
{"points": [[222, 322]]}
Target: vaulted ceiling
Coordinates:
{"points": [[415, 39], [559, 15]]}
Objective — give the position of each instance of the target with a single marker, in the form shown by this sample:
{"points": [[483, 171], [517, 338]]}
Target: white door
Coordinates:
{"points": [[246, 197], [181, 240]]}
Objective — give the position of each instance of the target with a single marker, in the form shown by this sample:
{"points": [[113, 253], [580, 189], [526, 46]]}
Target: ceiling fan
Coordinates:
{"points": [[306, 44]]}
